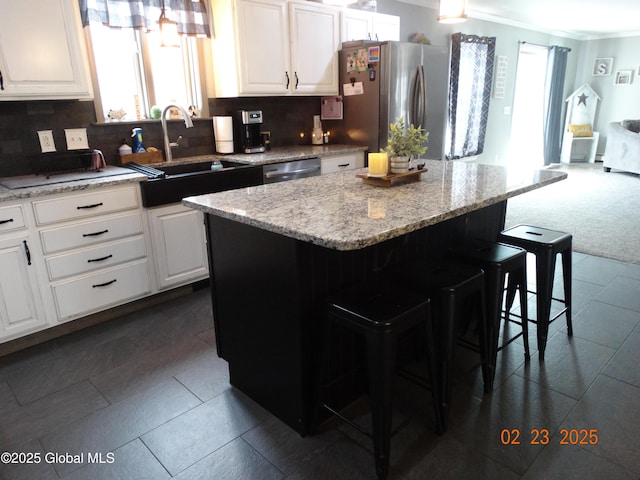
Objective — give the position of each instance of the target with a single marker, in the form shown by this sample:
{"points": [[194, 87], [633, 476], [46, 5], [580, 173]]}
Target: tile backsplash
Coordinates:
{"points": [[285, 117]]}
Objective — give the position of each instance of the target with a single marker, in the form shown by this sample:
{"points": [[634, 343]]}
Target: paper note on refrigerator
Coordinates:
{"points": [[355, 88]]}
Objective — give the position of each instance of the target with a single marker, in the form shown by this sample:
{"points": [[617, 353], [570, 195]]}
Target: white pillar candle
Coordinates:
{"points": [[378, 164]]}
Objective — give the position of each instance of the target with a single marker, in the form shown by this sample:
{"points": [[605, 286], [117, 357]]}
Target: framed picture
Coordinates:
{"points": [[623, 77], [602, 66]]}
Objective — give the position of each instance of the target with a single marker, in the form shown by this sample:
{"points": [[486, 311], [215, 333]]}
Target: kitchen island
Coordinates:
{"points": [[276, 251]]}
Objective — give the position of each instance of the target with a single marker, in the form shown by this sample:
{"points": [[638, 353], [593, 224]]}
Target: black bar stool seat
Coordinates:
{"points": [[499, 261], [546, 245], [450, 285], [380, 313]]}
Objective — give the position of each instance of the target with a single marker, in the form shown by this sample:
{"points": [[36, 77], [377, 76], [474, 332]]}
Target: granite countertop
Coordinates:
{"points": [[72, 182], [340, 212], [275, 155], [85, 180]]}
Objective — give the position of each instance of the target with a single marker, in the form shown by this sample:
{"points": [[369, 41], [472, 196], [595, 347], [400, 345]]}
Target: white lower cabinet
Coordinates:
{"points": [[21, 309], [179, 245], [338, 163], [82, 295], [94, 250]]}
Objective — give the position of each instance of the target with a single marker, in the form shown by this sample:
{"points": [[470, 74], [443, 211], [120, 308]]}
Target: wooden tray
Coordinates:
{"points": [[142, 158], [388, 180]]}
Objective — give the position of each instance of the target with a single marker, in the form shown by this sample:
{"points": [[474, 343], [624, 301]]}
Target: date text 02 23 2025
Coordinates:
{"points": [[541, 436]]}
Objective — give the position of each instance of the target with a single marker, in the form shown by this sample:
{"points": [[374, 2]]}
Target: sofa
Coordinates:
{"points": [[623, 146]]}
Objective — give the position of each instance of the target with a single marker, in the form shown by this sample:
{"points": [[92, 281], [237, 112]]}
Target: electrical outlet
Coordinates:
{"points": [[46, 141], [76, 138]]}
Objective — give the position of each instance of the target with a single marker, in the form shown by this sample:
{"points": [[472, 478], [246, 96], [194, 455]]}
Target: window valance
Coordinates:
{"points": [[191, 15]]}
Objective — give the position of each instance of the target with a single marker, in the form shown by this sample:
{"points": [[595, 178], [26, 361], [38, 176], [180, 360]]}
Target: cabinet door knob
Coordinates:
{"points": [[287, 74], [1, 81], [296, 74], [6, 221]]}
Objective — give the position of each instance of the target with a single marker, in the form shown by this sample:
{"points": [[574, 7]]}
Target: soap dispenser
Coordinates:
{"points": [[138, 147], [317, 133]]}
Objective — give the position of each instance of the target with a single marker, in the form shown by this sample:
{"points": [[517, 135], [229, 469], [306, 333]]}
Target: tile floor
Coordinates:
{"points": [[148, 392]]}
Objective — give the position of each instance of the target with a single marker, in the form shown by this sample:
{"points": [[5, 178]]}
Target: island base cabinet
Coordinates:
{"points": [[20, 304], [92, 293], [268, 294], [257, 316]]}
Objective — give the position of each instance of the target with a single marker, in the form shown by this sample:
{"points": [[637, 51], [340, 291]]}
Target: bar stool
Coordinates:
{"points": [[380, 313], [498, 261], [545, 244], [450, 286]]}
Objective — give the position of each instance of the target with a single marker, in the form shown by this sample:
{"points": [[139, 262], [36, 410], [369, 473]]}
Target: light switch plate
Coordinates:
{"points": [[76, 138], [46, 141]]}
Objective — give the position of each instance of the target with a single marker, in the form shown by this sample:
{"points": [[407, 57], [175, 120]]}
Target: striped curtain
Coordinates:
{"points": [[191, 15], [469, 93]]}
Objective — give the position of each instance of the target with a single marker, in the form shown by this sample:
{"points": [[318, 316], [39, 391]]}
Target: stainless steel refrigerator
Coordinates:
{"points": [[381, 82]]}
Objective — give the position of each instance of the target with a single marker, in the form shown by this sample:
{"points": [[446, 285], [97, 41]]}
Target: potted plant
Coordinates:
{"points": [[403, 144]]}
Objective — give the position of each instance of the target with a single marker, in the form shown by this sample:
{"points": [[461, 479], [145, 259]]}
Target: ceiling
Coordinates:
{"points": [[574, 18]]}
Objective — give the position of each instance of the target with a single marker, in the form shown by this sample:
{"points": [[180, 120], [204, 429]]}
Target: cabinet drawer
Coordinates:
{"points": [[339, 163], [12, 218], [84, 205], [91, 233], [95, 292], [95, 258]]}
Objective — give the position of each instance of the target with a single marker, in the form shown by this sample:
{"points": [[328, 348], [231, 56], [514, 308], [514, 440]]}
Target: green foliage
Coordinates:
{"points": [[406, 141]]}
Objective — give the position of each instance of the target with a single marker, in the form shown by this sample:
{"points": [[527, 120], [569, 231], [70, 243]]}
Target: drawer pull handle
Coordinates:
{"points": [[27, 252], [94, 233], [6, 221], [342, 165], [103, 284], [99, 259], [81, 207]]}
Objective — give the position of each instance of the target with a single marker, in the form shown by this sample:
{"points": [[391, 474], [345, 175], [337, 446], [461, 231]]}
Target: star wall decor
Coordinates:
{"points": [[583, 99]]}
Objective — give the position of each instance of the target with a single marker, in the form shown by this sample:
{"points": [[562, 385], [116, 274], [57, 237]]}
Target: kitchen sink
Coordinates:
{"points": [[185, 180], [199, 168]]}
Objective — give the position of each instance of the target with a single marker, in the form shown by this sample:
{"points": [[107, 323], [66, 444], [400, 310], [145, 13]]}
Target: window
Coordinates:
{"points": [[135, 73]]}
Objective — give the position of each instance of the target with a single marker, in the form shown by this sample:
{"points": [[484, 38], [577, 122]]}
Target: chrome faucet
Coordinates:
{"points": [[163, 120]]}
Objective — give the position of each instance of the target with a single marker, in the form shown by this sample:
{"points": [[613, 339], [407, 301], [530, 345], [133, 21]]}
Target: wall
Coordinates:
{"points": [[424, 20], [286, 117], [618, 102]]}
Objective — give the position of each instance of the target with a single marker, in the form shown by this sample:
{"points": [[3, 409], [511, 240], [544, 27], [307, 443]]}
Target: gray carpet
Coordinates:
{"points": [[601, 210]]}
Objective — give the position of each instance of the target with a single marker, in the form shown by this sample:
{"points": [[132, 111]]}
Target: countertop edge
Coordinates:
{"points": [[345, 245], [7, 195]]}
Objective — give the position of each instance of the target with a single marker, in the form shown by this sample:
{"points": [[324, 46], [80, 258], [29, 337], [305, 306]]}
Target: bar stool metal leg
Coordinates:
{"points": [[566, 281], [381, 362]]}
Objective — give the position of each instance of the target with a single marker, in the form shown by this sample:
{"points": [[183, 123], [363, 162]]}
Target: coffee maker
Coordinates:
{"points": [[246, 135]]}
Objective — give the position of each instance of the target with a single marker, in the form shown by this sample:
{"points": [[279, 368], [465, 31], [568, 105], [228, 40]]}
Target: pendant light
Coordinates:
{"points": [[168, 30], [453, 11]]}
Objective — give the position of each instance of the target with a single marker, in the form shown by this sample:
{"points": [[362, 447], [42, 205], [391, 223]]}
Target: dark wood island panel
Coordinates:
{"points": [[268, 292]]}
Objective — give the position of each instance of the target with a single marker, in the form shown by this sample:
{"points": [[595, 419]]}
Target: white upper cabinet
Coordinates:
{"points": [[315, 40], [363, 25], [274, 47], [263, 47], [42, 51]]}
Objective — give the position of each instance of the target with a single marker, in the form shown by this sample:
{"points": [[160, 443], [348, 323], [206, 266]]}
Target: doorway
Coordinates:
{"points": [[526, 144]]}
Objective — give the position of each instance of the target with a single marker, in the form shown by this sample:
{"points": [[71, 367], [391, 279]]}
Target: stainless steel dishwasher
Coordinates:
{"points": [[279, 172]]}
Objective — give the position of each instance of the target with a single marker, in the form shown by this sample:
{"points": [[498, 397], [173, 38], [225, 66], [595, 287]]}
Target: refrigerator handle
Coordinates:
{"points": [[416, 99], [422, 97]]}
